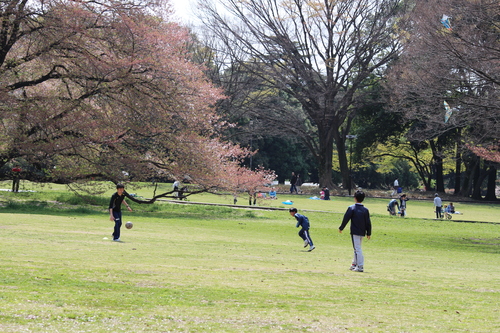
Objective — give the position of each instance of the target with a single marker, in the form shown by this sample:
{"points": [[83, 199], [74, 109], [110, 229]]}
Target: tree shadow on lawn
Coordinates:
{"points": [[487, 245], [156, 211]]}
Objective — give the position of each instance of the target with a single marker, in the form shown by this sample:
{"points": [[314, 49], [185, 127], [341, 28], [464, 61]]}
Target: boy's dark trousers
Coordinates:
{"points": [[118, 224], [304, 234]]}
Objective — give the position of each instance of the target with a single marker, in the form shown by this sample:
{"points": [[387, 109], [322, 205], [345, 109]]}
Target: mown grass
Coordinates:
{"points": [[204, 268], [58, 196]]}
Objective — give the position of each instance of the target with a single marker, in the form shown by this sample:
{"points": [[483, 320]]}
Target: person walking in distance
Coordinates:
{"points": [[395, 187], [293, 183], [16, 171]]}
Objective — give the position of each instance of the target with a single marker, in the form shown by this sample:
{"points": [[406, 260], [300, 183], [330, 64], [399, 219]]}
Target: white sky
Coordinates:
{"points": [[184, 9]]}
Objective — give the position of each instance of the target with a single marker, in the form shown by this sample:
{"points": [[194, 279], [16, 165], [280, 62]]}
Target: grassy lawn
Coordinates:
{"points": [[207, 268], [424, 209]]}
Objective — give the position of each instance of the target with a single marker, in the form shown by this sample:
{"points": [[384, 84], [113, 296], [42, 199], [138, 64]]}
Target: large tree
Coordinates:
{"points": [[447, 79], [319, 53], [106, 89]]}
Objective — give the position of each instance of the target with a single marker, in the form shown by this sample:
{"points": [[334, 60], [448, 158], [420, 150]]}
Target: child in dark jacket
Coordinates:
{"points": [[360, 226], [115, 212], [303, 221]]}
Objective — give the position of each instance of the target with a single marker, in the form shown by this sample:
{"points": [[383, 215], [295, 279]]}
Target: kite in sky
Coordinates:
{"points": [[445, 20], [448, 112]]}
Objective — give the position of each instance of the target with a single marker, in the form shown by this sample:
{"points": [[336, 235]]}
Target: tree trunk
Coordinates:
{"points": [[325, 157], [470, 166], [344, 165], [439, 175], [424, 177], [325, 170], [427, 185], [438, 160], [477, 180], [423, 171], [340, 141], [492, 177], [458, 164]]}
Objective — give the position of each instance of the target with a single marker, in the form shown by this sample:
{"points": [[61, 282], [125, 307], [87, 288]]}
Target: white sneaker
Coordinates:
{"points": [[306, 243], [117, 240], [358, 269], [353, 267], [311, 248]]}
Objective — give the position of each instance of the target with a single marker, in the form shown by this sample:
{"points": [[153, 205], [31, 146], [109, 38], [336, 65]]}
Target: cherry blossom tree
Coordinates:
{"points": [[107, 89], [489, 153]]}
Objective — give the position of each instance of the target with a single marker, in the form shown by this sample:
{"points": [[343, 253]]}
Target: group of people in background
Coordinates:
{"points": [[296, 182], [448, 209], [324, 194], [400, 206], [357, 214], [394, 207]]}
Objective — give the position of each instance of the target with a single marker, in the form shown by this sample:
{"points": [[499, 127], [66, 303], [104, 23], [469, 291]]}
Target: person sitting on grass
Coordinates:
{"points": [[327, 193], [446, 212], [451, 208]]}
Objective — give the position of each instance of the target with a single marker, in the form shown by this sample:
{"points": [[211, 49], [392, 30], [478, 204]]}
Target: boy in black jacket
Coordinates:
{"points": [[115, 211], [360, 226]]}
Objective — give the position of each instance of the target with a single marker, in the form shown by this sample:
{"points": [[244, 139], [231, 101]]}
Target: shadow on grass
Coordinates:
{"points": [[44, 208], [487, 245], [166, 211]]}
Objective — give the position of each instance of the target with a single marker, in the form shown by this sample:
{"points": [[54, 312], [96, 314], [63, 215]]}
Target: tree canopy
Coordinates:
{"points": [[446, 84], [318, 52], [107, 90], [448, 75]]}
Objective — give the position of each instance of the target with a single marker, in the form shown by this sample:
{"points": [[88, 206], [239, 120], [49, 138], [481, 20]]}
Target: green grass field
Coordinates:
{"points": [[191, 268], [424, 209]]}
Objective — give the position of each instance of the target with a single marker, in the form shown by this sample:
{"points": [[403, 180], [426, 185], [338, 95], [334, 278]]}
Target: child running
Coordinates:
{"points": [[303, 222], [360, 226]]}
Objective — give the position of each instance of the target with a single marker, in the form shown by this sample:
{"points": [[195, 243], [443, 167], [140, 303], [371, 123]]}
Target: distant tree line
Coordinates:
{"points": [[344, 93], [416, 84]]}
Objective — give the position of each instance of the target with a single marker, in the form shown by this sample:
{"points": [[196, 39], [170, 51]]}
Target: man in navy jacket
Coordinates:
{"points": [[361, 226]]}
